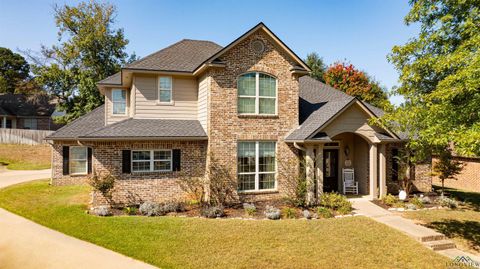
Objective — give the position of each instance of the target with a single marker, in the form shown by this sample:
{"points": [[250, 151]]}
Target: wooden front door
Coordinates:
{"points": [[330, 170]]}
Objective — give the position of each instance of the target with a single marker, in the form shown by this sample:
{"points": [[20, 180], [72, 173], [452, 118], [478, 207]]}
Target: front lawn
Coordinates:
{"points": [[176, 242], [25, 157], [461, 224]]}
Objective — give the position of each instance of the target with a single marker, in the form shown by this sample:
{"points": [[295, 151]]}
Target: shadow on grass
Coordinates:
{"points": [[468, 230], [470, 198]]}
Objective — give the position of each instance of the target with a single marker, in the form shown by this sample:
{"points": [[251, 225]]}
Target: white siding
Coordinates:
{"points": [[185, 96], [108, 108], [203, 101]]}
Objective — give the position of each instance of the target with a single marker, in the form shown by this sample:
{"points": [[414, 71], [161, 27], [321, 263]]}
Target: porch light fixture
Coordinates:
{"points": [[347, 151]]}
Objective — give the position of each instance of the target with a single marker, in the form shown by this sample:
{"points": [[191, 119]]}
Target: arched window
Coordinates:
{"points": [[257, 94]]}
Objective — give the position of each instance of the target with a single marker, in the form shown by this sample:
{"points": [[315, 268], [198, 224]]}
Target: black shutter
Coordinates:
{"points": [[126, 161], [89, 165], [66, 153], [395, 164], [176, 159]]}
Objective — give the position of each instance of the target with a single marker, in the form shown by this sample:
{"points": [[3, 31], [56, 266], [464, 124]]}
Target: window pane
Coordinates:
{"points": [[266, 158], [165, 83], [246, 182], [246, 105], [267, 106], [141, 166], [119, 95], [246, 84], [78, 167], [78, 153], [165, 95], [267, 85], [161, 165], [162, 155], [266, 181], [141, 155], [119, 108], [246, 157]]}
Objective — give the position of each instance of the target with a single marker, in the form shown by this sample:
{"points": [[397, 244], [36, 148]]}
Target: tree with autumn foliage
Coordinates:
{"points": [[345, 77]]}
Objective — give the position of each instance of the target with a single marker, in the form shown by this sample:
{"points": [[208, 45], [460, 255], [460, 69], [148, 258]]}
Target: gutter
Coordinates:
{"points": [[296, 145]]}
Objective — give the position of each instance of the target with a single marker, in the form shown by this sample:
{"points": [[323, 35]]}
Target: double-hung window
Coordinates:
{"points": [[257, 94], [119, 100], [165, 90], [78, 160], [151, 160], [30, 124], [256, 166]]}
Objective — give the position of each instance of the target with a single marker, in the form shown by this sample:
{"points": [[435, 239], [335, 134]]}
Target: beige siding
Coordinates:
{"points": [[184, 99], [354, 119], [110, 118], [203, 101]]}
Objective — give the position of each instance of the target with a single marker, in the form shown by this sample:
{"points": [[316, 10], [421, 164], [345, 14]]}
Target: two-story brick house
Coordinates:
{"points": [[250, 104]]}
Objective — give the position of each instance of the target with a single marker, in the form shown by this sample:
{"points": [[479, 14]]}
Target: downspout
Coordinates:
{"points": [[297, 146]]}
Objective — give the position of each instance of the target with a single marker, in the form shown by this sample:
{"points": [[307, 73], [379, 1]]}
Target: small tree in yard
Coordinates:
{"points": [[446, 167], [103, 183]]}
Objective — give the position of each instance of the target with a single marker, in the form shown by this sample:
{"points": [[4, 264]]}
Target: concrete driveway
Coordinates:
{"points": [[25, 244]]}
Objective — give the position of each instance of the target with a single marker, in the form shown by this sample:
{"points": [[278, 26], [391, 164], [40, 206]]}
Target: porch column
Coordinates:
{"points": [[319, 169], [4, 122], [310, 174], [373, 170], [382, 170]]}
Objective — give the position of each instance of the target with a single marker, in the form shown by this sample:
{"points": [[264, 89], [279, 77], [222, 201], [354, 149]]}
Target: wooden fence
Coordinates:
{"points": [[23, 136]]}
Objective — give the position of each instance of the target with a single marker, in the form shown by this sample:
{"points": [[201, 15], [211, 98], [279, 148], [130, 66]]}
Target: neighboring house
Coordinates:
{"points": [[18, 111], [250, 106]]}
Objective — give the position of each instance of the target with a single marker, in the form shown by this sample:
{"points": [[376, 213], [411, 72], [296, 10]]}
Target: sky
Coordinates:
{"points": [[361, 32]]}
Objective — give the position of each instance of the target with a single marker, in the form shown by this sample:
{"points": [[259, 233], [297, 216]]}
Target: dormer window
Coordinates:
{"points": [[119, 100], [165, 90], [257, 94]]}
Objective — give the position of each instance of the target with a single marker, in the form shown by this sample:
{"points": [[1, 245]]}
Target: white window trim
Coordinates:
{"points": [[171, 103], [113, 103], [257, 169], [152, 160], [70, 161], [257, 95]]}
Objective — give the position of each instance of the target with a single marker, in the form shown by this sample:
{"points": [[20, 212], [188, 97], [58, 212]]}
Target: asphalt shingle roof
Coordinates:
{"points": [[22, 105], [89, 122]]}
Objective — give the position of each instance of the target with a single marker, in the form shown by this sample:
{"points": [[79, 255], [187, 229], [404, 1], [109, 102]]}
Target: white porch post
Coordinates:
{"points": [[319, 169], [310, 174], [4, 122], [373, 170], [383, 170]]}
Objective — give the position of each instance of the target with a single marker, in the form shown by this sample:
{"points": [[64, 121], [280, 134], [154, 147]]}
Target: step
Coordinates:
{"points": [[440, 244], [430, 238]]}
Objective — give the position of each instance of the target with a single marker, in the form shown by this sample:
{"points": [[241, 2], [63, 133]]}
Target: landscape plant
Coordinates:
{"points": [[104, 183]]}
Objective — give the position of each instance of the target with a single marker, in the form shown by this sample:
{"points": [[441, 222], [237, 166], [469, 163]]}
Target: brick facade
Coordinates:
{"points": [[227, 127], [469, 177], [133, 188]]}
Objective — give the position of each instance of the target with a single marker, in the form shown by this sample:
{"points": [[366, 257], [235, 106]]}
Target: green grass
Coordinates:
{"points": [[25, 157], [175, 242], [462, 224]]}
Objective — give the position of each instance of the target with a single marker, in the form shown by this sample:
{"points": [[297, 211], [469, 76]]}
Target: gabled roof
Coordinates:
{"points": [[92, 126], [21, 105], [319, 104]]}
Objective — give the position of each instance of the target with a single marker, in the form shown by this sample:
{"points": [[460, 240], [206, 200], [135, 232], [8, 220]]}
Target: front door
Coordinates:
{"points": [[330, 170]]}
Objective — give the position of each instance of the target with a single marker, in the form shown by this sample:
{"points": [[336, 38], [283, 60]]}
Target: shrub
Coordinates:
{"points": [[250, 209], [324, 212], [102, 211], [307, 214], [173, 206], [272, 212], [417, 202], [411, 207], [426, 200], [337, 202], [289, 212], [130, 210], [151, 209], [389, 199], [447, 202], [212, 212], [103, 184]]}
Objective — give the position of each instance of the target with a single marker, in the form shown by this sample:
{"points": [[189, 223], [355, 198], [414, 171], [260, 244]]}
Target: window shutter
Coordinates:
{"points": [[126, 161], [89, 165], [66, 153], [176, 159]]}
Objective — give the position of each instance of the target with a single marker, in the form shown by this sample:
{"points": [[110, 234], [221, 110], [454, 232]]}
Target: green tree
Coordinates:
{"points": [[89, 50], [317, 65], [446, 166], [14, 69], [347, 78], [440, 76]]}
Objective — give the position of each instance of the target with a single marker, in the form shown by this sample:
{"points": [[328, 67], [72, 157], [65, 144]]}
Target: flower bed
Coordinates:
{"points": [[429, 201]]}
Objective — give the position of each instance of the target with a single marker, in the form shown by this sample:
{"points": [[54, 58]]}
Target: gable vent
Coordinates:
{"points": [[258, 46]]}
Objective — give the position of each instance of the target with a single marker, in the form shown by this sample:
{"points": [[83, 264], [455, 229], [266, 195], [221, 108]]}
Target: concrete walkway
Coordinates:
{"points": [[25, 244], [10, 177], [430, 238]]}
